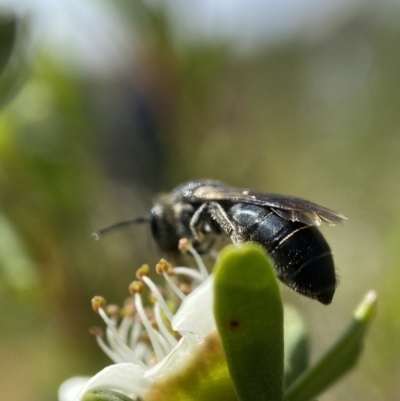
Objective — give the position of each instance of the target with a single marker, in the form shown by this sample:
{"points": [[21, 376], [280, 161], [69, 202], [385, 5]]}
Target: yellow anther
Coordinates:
{"points": [[113, 310], [144, 270], [163, 266], [136, 287], [98, 302]]}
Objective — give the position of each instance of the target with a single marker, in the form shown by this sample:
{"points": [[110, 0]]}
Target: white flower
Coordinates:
{"points": [[145, 355], [71, 387]]}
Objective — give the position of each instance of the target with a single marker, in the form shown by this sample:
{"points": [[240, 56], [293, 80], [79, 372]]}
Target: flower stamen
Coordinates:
{"points": [[159, 297], [163, 329], [143, 270], [135, 334], [146, 335], [136, 288], [166, 269], [116, 343], [98, 333], [187, 271], [186, 246], [98, 302]]}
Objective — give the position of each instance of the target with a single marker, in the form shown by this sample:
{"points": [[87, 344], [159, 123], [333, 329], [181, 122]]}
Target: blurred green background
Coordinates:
{"points": [[104, 104]]}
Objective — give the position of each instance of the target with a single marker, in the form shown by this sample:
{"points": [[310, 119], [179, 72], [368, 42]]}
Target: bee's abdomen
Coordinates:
{"points": [[301, 255], [304, 262]]}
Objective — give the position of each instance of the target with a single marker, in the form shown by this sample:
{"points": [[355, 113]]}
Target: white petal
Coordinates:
{"points": [[71, 388], [176, 359], [195, 314], [125, 377]]}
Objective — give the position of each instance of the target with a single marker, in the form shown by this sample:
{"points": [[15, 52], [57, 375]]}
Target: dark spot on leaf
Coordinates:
{"points": [[233, 324]]}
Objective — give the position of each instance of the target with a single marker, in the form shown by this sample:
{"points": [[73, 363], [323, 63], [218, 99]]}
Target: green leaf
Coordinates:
{"points": [[249, 315], [105, 395], [339, 359], [297, 345]]}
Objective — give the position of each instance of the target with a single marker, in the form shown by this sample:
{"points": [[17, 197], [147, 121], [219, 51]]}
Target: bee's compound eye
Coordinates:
{"points": [[163, 232]]}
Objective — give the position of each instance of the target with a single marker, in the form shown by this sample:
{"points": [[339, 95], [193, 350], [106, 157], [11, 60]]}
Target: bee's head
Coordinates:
{"points": [[162, 228]]}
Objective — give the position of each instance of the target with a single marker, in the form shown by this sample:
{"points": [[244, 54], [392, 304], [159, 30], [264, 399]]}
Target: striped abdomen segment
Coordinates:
{"points": [[301, 255]]}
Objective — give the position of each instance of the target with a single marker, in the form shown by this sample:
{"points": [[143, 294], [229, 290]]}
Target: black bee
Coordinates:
{"points": [[205, 211]]}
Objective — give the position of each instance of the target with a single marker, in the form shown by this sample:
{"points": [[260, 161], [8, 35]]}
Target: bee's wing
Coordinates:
{"points": [[288, 207]]}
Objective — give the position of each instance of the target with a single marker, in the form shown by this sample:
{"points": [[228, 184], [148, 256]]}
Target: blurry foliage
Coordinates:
{"points": [[13, 41], [7, 37], [316, 120]]}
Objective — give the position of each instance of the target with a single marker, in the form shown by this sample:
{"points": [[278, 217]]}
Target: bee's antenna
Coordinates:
{"points": [[98, 234]]}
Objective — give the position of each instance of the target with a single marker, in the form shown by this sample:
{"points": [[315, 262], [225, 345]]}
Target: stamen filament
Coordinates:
{"points": [[140, 350], [187, 271], [108, 351], [147, 325], [184, 246], [124, 327], [112, 342], [144, 336], [114, 355], [115, 338], [115, 347], [148, 356], [174, 287], [163, 342], [202, 268], [163, 329], [159, 297], [135, 334]]}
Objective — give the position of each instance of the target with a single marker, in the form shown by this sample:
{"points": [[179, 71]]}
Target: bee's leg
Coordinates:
{"points": [[218, 213], [195, 222]]}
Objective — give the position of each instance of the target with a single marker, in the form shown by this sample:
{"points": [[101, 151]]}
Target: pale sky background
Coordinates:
{"points": [[90, 35]]}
